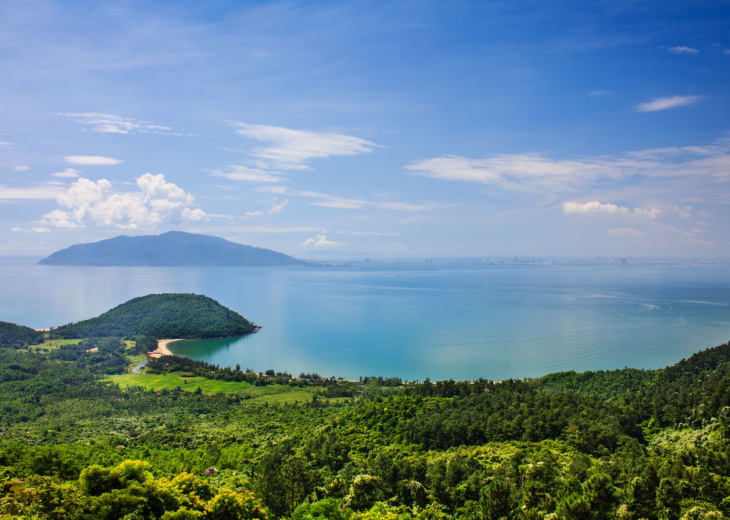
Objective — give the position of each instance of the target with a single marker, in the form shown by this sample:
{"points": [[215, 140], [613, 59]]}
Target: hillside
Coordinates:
{"points": [[162, 316], [18, 336], [174, 248]]}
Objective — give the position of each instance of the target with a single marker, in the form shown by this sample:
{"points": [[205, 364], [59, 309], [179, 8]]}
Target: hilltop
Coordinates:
{"points": [[162, 316], [18, 336], [174, 248]]}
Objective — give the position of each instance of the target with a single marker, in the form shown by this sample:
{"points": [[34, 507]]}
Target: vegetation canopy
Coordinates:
{"points": [[183, 316]]}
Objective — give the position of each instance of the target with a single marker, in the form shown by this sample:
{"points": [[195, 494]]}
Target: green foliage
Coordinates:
{"points": [[562, 446], [326, 509], [162, 316], [18, 336]]}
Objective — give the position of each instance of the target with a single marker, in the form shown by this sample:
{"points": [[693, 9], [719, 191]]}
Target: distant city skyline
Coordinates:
{"points": [[364, 130]]}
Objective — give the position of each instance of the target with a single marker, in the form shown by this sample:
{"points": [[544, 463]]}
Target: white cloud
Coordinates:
{"points": [[610, 209], [35, 229], [67, 173], [244, 173], [681, 49], [684, 212], [276, 208], [598, 93], [726, 52], [111, 124], [5, 144], [291, 149], [42, 192], [517, 171], [594, 207], [21, 168], [667, 102], [536, 172], [334, 201], [91, 160], [95, 203], [276, 190], [320, 242], [647, 213]]}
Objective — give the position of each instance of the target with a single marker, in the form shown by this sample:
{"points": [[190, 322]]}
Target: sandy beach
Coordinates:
{"points": [[162, 349]]}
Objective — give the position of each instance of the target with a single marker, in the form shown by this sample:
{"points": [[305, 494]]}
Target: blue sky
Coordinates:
{"points": [[369, 129]]}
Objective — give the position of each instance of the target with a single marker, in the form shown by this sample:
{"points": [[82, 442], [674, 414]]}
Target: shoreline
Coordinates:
{"points": [[162, 349]]}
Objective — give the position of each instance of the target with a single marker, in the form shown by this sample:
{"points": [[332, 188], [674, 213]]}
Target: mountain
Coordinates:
{"points": [[174, 248], [162, 316]]}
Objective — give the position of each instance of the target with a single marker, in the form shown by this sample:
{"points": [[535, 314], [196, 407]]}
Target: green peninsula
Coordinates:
{"points": [[183, 316]]}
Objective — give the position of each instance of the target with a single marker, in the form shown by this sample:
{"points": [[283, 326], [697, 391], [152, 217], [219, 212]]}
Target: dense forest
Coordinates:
{"points": [[18, 336], [162, 316], [623, 444]]}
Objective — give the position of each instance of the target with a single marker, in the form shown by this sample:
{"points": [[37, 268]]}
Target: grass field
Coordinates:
{"points": [[269, 394], [52, 344]]}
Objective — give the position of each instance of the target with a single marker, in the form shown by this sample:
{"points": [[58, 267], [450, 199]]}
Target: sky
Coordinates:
{"points": [[349, 129]]}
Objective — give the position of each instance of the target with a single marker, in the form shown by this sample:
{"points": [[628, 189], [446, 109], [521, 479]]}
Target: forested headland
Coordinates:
{"points": [[622, 444], [160, 316]]}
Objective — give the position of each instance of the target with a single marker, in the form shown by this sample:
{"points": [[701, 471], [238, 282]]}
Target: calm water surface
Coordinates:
{"points": [[494, 322]]}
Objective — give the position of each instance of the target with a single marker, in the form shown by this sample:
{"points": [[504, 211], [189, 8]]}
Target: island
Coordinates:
{"points": [[183, 316], [174, 248]]}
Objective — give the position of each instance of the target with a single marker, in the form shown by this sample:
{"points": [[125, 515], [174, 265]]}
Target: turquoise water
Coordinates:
{"points": [[494, 322]]}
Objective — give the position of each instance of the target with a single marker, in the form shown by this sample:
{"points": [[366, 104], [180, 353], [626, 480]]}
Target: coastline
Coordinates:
{"points": [[162, 349]]}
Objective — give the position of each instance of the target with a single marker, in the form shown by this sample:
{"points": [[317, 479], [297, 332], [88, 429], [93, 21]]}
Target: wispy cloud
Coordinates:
{"points": [[111, 124], [326, 200], [320, 242], [274, 209], [41, 192], [276, 190], [681, 49], [35, 229], [5, 144], [246, 174], [92, 160], [291, 149], [608, 208], [21, 168], [666, 103], [277, 207], [95, 203], [533, 172], [67, 173]]}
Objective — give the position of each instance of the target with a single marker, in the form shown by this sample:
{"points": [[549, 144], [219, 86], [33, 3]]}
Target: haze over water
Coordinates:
{"points": [[413, 322]]}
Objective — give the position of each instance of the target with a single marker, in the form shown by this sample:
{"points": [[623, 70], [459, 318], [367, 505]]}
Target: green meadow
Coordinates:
{"points": [[269, 394]]}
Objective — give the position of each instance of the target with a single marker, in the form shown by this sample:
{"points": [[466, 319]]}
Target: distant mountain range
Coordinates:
{"points": [[174, 248]]}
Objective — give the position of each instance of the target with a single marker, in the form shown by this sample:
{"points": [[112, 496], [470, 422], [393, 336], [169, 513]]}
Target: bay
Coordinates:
{"points": [[413, 322]]}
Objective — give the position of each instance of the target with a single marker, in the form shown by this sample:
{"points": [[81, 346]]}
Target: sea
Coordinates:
{"points": [[441, 321]]}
